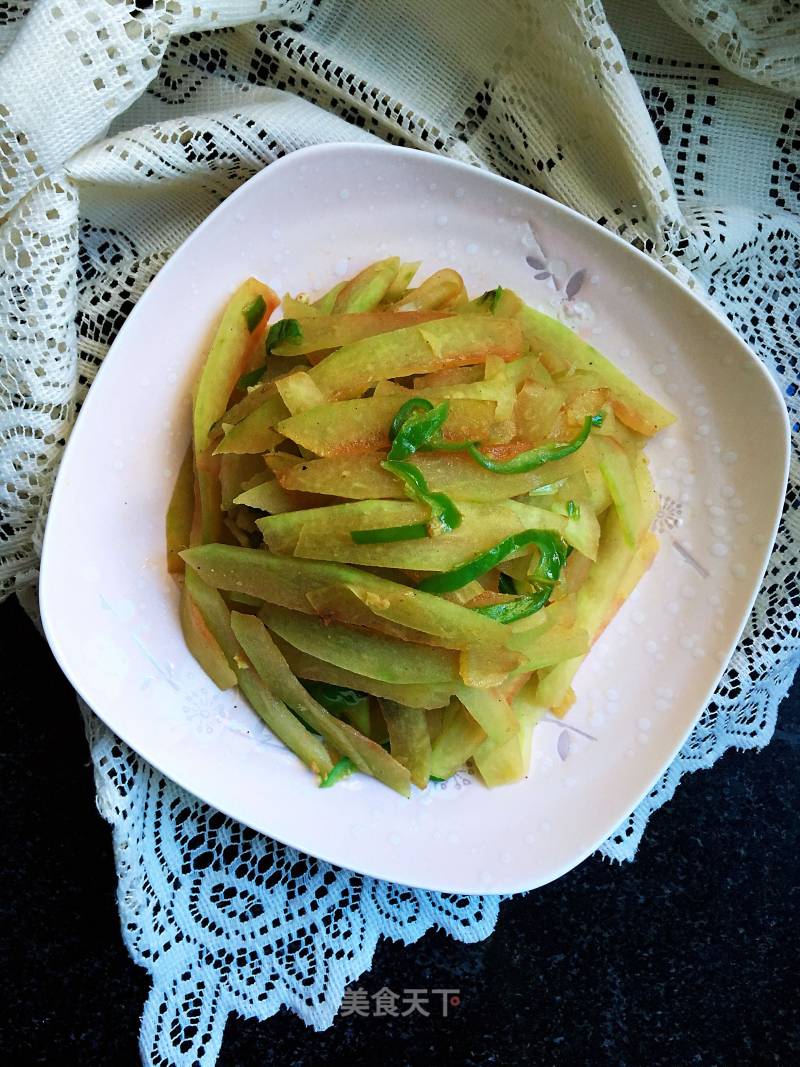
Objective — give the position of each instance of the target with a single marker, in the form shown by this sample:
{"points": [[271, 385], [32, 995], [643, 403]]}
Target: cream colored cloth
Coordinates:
{"points": [[121, 127]]}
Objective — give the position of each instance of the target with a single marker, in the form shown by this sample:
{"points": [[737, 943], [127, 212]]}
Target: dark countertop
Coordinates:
{"points": [[687, 956]]}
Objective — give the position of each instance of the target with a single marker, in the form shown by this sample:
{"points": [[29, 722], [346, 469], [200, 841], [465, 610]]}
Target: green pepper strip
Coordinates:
{"points": [[254, 312], [535, 457], [445, 516], [553, 554], [573, 510], [507, 585], [282, 332], [286, 330], [340, 770], [549, 544], [415, 428], [334, 697], [416, 403], [252, 377], [416, 425], [343, 768], [492, 296], [419, 429], [382, 535], [417, 422], [513, 610]]}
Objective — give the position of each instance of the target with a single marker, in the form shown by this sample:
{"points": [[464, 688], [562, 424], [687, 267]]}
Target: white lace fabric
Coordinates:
{"points": [[122, 126]]}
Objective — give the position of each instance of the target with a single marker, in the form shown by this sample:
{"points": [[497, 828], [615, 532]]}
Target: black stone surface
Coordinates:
{"points": [[687, 956]]}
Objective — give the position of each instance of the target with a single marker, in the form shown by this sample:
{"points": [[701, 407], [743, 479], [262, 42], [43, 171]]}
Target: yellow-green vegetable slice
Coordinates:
{"points": [[254, 397], [409, 740], [617, 471], [271, 497], [631, 404], [256, 431], [458, 740], [361, 651], [366, 290], [413, 695], [491, 710], [295, 307], [231, 350], [402, 280], [528, 713], [594, 601], [202, 643], [234, 472], [500, 764], [180, 513], [286, 727], [555, 646], [319, 332], [324, 533], [441, 289], [327, 301], [355, 426], [228, 357], [443, 623], [451, 342], [275, 672], [292, 583], [215, 612], [363, 478], [648, 497], [274, 713], [298, 392]]}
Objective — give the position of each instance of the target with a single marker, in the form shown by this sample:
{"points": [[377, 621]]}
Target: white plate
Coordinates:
{"points": [[110, 610]]}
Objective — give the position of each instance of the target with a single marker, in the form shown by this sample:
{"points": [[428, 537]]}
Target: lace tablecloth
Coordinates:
{"points": [[122, 126]]}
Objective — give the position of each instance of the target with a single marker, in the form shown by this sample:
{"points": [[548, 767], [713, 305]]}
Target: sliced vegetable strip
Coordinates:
{"points": [[283, 723], [363, 651], [458, 740], [452, 342], [202, 643], [366, 290], [291, 582], [631, 404], [255, 432], [273, 712], [409, 740], [353, 427], [333, 331], [413, 695], [275, 672], [238, 333], [180, 514], [454, 473]]}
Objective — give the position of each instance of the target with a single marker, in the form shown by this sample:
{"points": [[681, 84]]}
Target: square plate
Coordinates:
{"points": [[110, 610]]}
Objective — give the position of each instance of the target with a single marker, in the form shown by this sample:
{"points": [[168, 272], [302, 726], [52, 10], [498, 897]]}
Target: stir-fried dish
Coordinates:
{"points": [[403, 519]]}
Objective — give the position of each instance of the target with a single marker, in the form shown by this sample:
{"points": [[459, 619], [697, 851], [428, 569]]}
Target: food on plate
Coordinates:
{"points": [[404, 517]]}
